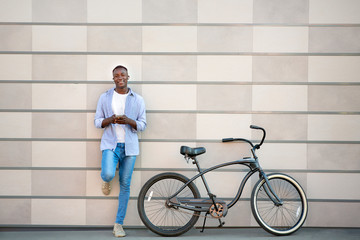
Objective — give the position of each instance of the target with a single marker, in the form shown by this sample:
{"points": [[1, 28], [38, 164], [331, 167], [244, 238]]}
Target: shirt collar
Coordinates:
{"points": [[130, 91]]}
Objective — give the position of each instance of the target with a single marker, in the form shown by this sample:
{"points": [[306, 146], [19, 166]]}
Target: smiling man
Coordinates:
{"points": [[121, 113]]}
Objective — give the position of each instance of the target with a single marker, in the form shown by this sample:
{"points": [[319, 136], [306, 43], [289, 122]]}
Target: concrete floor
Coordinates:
{"points": [[194, 234]]}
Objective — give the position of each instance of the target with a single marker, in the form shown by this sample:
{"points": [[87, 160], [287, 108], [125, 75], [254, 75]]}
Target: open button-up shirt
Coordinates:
{"points": [[134, 109]]}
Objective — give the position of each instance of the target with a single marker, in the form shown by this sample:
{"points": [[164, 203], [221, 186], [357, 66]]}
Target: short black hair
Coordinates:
{"points": [[120, 66]]}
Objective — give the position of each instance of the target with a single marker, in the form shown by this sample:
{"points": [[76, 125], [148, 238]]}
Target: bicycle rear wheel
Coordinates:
{"points": [[284, 219], [154, 212]]}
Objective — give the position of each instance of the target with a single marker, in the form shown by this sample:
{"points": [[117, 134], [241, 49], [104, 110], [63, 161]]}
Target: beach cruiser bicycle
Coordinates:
{"points": [[170, 204]]}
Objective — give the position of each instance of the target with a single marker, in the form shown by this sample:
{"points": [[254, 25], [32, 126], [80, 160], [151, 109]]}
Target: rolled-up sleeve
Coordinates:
{"points": [[99, 114], [141, 119]]}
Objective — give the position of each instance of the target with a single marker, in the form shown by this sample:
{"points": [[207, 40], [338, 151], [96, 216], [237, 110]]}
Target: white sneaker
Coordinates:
{"points": [[118, 230], [106, 188]]}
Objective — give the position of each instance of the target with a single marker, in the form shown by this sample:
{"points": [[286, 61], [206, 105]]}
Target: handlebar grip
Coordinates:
{"points": [[227, 139], [254, 127]]}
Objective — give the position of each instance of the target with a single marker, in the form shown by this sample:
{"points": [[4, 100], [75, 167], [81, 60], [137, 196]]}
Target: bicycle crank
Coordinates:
{"points": [[219, 211]]}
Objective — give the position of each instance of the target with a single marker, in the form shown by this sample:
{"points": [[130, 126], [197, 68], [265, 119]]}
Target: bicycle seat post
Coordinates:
{"points": [[204, 181]]}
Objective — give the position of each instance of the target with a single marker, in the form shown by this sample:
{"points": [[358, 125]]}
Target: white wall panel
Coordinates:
{"points": [[281, 39], [22, 178], [59, 96], [334, 68], [58, 154], [169, 97], [15, 125], [57, 38], [169, 39], [333, 186], [219, 126], [58, 211], [283, 156], [231, 11], [99, 67], [224, 68], [279, 98], [15, 11], [334, 127], [334, 11], [107, 11], [15, 67]]}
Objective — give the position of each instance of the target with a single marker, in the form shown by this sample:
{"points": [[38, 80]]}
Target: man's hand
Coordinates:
{"points": [[122, 119], [125, 120], [119, 120], [107, 121]]}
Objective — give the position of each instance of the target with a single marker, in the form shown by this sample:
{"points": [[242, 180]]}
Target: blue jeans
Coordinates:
{"points": [[110, 160]]}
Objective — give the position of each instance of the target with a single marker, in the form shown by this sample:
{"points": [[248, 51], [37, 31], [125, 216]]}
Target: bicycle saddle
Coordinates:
{"points": [[192, 152]]}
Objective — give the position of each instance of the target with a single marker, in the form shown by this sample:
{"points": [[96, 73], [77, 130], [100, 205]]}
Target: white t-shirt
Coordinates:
{"points": [[118, 107]]}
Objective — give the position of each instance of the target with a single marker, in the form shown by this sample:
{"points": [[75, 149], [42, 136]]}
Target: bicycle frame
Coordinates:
{"points": [[251, 163]]}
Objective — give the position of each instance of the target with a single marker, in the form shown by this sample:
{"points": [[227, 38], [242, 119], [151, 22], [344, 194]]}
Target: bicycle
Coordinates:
{"points": [[169, 204]]}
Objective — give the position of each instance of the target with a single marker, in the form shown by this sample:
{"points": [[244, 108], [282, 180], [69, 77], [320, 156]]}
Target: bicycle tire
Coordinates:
{"points": [[152, 208], [279, 220]]}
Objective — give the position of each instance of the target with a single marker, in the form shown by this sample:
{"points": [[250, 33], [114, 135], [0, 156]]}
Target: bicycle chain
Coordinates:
{"points": [[194, 214]]}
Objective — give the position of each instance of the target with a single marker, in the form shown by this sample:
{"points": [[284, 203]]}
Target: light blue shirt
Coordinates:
{"points": [[134, 109]]}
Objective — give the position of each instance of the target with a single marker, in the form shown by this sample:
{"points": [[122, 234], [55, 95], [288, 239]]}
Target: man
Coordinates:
{"points": [[121, 113]]}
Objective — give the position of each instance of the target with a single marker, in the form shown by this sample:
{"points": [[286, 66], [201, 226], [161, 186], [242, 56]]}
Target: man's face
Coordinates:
{"points": [[120, 77]]}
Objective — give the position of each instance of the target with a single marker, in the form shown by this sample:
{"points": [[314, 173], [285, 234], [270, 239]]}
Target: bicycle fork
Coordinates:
{"points": [[270, 191]]}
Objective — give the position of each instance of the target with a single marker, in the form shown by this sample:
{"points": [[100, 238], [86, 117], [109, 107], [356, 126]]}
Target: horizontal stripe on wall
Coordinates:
{"points": [[91, 82], [178, 140], [180, 170], [184, 24], [189, 111], [184, 53], [135, 198]]}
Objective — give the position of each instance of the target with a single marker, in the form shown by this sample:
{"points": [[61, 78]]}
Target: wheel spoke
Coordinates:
{"points": [[283, 219], [162, 217]]}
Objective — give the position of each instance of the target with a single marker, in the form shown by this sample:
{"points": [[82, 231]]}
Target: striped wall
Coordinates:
{"points": [[207, 70]]}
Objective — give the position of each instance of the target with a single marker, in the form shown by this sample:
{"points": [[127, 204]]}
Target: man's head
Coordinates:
{"points": [[120, 77], [120, 67]]}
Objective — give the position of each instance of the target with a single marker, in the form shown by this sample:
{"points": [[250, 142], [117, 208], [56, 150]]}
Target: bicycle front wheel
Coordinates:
{"points": [[286, 218], [157, 215]]}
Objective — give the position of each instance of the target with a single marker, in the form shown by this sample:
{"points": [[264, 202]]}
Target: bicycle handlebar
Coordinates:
{"points": [[256, 146], [237, 139], [263, 137]]}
